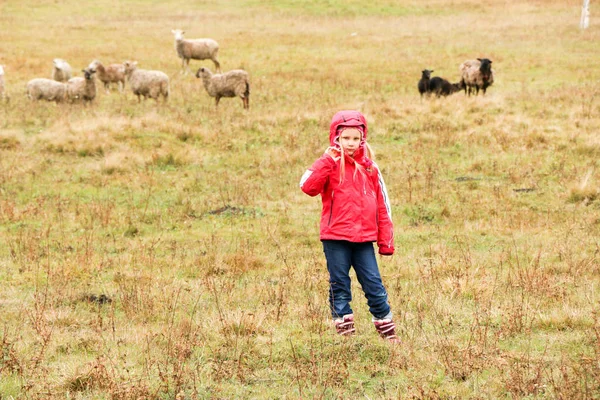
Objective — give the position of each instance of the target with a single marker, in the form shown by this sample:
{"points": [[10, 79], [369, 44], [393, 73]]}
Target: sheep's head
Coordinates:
{"points": [[94, 65], [88, 72], [486, 65], [202, 72], [130, 66], [178, 34], [426, 74], [456, 87], [59, 63]]}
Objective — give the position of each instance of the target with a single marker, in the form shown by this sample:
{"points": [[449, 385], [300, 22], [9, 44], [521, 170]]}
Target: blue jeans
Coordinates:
{"points": [[341, 255]]}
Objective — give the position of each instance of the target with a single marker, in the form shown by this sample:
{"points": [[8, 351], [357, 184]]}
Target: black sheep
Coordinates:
{"points": [[424, 82], [442, 87]]}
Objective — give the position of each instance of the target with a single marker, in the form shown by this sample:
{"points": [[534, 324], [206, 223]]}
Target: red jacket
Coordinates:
{"points": [[357, 209]]}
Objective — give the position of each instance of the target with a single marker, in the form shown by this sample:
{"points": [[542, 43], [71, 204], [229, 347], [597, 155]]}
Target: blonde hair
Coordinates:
{"points": [[369, 153]]}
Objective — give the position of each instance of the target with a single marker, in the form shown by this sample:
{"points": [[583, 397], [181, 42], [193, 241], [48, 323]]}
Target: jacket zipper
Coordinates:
{"points": [[331, 209]]}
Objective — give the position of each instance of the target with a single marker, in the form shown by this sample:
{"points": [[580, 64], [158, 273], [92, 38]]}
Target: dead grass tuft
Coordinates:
{"points": [[585, 192], [93, 376]]}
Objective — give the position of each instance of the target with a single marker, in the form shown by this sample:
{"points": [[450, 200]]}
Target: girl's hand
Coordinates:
{"points": [[334, 153], [386, 250]]}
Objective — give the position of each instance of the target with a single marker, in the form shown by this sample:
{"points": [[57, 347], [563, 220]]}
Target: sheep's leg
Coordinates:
{"points": [[217, 99], [246, 102], [107, 87], [182, 66], [217, 65]]}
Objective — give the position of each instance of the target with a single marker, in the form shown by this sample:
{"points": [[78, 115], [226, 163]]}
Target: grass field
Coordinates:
{"points": [[162, 251]]}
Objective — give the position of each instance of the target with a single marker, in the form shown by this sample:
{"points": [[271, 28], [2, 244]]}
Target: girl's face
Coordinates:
{"points": [[350, 140]]}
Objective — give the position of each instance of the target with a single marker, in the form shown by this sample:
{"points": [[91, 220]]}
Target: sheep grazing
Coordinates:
{"points": [[146, 83], [476, 74], [46, 89], [195, 49], [441, 87], [82, 89], [235, 83], [423, 85], [113, 73], [2, 95], [62, 70]]}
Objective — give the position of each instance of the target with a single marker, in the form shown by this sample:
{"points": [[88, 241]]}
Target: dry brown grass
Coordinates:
{"points": [[164, 251]]}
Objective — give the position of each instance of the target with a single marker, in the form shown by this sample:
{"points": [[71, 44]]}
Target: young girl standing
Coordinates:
{"points": [[356, 213]]}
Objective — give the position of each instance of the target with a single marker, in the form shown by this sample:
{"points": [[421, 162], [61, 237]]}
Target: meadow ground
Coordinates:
{"points": [[165, 251]]}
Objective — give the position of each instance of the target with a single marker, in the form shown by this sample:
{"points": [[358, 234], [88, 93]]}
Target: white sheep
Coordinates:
{"points": [[195, 49], [235, 83], [113, 73], [146, 83], [46, 89], [2, 95], [476, 74], [62, 70], [82, 89]]}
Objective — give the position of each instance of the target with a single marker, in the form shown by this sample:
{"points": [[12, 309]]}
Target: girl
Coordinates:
{"points": [[356, 213]]}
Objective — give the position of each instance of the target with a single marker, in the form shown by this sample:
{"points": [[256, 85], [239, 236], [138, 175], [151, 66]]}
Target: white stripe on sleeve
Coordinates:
{"points": [[306, 175], [384, 192]]}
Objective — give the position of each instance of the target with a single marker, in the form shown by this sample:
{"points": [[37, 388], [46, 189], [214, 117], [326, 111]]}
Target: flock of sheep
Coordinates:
{"points": [[474, 75], [147, 83]]}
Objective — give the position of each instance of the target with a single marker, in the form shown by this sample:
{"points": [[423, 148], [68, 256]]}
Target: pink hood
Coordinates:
{"points": [[355, 119]]}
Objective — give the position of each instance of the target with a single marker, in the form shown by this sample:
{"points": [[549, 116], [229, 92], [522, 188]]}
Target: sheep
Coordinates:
{"points": [[62, 70], [423, 85], [82, 88], [195, 49], [441, 87], [113, 73], [476, 74], [2, 95], [46, 89], [146, 83], [230, 84]]}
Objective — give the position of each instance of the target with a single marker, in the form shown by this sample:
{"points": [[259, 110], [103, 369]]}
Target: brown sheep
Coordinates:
{"points": [[113, 73]]}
